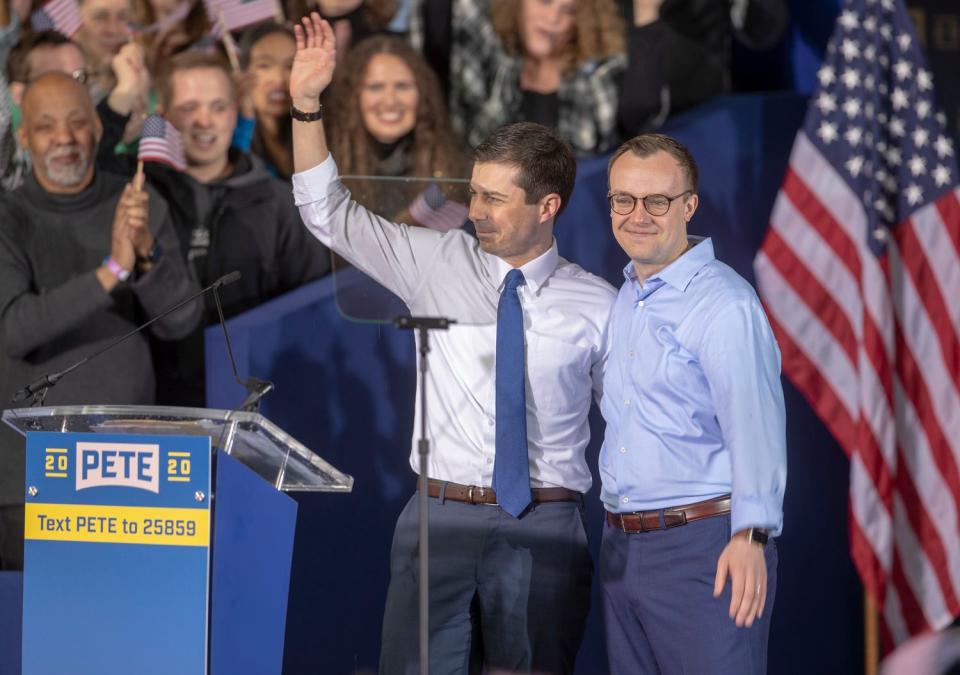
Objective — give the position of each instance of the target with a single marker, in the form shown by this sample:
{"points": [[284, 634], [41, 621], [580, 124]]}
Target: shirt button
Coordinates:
{"points": [[489, 421], [489, 460], [630, 353], [639, 303], [626, 401], [623, 451], [625, 500]]}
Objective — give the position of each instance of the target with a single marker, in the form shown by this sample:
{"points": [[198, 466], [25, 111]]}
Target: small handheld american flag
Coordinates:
{"points": [[432, 209], [62, 16], [237, 14], [160, 142]]}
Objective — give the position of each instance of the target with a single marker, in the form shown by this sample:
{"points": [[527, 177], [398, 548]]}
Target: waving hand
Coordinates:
{"points": [[314, 62]]}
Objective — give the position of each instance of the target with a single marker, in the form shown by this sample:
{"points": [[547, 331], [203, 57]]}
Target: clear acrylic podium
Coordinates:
{"points": [[252, 525], [248, 437]]}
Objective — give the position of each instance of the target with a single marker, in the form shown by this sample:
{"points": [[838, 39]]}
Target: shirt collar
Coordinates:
{"points": [[681, 271], [536, 272]]}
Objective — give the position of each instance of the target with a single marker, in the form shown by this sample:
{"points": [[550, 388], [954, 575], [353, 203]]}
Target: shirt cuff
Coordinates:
{"points": [[313, 185], [747, 512]]}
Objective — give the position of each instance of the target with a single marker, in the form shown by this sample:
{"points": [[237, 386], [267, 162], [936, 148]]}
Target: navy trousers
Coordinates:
{"points": [[504, 593], [660, 613], [11, 537]]}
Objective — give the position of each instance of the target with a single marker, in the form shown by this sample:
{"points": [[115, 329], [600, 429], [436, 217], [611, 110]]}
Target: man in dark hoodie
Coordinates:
{"points": [[84, 258], [229, 212]]}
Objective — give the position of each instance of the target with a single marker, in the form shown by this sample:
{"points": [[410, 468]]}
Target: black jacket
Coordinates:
{"points": [[246, 222]]}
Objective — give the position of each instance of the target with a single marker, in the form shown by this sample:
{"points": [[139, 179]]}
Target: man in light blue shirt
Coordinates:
{"points": [[694, 457]]}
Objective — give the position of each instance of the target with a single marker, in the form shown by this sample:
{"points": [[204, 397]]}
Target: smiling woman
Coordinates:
{"points": [[387, 118], [267, 54], [559, 63], [387, 115]]}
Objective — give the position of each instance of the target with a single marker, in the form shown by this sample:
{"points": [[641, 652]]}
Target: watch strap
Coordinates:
{"points": [[153, 255], [302, 116]]}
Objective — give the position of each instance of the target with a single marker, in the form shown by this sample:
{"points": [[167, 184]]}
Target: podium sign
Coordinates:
{"points": [[117, 554]]}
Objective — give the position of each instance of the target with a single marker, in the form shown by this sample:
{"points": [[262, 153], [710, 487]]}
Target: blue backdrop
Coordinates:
{"points": [[346, 390]]}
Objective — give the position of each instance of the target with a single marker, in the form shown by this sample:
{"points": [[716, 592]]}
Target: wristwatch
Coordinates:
{"points": [[757, 535], [153, 255], [301, 116]]}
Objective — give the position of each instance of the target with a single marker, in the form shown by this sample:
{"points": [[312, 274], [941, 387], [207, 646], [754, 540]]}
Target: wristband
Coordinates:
{"points": [[116, 269], [757, 536]]}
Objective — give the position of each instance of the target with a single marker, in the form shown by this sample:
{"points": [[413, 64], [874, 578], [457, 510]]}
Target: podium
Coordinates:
{"points": [[159, 539]]}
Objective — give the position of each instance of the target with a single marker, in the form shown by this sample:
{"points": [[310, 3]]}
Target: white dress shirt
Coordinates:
{"points": [[565, 310]]}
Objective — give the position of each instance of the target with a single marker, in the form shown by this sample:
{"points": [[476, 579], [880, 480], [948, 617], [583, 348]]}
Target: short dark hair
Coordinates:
{"points": [[18, 62], [190, 60], [645, 145], [544, 161]]}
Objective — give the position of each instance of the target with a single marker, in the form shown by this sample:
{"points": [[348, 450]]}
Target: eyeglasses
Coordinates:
{"points": [[624, 204], [81, 75]]}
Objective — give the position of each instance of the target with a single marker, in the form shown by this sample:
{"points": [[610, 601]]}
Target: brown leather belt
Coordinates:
{"points": [[675, 516], [474, 494]]}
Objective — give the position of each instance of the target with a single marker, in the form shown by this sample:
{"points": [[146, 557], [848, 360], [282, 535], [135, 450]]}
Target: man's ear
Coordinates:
{"points": [[22, 135], [16, 93], [690, 207], [550, 207], [97, 127]]}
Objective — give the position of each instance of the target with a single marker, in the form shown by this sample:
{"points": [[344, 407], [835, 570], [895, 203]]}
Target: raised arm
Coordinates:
{"points": [[311, 73], [394, 255]]}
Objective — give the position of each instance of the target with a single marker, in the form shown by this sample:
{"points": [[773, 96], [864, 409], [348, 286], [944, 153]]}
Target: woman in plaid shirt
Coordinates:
{"points": [[556, 62]]}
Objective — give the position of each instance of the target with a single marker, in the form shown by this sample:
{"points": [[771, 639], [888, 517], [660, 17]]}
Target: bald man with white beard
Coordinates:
{"points": [[84, 257]]}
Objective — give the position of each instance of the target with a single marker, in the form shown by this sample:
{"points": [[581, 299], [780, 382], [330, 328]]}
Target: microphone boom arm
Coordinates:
{"points": [[38, 389]]}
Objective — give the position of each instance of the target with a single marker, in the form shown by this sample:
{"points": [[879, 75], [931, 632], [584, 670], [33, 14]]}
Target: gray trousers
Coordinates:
{"points": [[504, 593]]}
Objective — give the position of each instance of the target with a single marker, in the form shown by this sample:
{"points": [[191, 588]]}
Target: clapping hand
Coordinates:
{"points": [[137, 216]]}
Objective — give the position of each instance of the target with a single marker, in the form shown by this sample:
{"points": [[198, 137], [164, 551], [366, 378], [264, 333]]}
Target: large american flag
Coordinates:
{"points": [[860, 275], [237, 14], [62, 16], [160, 142]]}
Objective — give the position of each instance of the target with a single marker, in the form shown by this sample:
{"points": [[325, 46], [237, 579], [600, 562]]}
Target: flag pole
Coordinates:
{"points": [[229, 44], [871, 636]]}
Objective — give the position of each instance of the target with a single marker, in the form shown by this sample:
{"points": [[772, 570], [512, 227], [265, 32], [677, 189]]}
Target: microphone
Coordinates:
{"points": [[256, 388], [38, 389]]}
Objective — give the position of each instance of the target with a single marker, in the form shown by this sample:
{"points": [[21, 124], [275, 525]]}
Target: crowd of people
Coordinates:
{"points": [[418, 83], [93, 242]]}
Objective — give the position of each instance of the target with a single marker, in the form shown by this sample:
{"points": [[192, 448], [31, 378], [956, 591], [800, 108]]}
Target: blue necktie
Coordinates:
{"points": [[511, 469]]}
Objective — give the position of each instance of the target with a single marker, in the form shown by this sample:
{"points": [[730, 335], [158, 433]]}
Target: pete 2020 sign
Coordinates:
{"points": [[116, 555]]}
